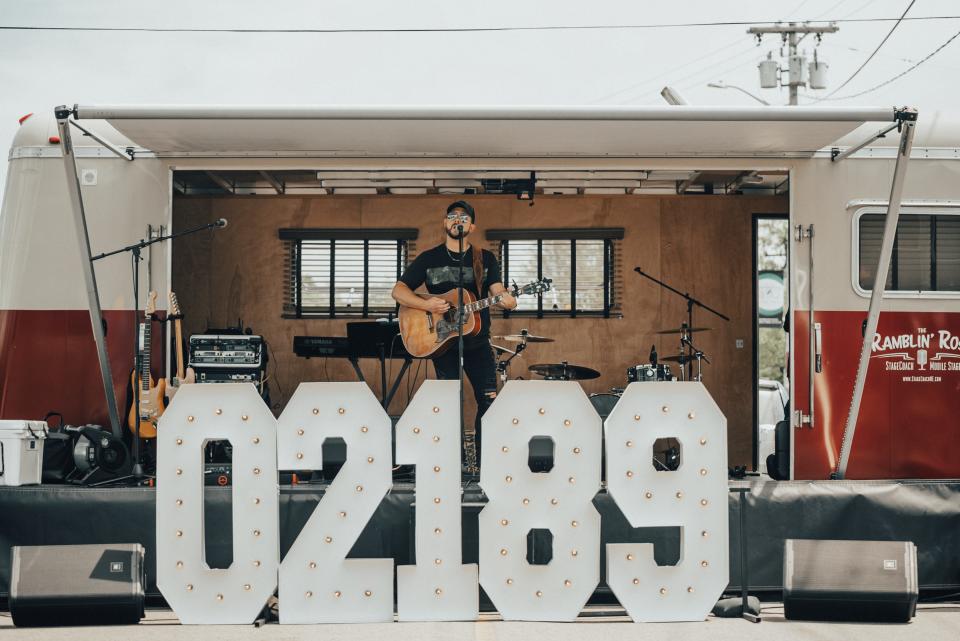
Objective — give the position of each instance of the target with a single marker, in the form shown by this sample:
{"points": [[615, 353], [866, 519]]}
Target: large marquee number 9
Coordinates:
{"points": [[317, 582], [559, 501], [693, 497]]}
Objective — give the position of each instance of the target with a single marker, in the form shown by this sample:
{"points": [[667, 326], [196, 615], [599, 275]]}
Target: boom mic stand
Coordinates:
{"points": [[135, 250], [691, 301]]}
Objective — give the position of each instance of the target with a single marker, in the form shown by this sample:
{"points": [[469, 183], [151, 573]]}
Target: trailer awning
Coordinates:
{"points": [[523, 131]]}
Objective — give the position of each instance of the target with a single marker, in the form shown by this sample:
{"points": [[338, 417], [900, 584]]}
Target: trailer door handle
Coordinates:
{"points": [[819, 348]]}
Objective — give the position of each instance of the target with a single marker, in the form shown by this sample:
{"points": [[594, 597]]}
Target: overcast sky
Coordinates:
{"points": [[40, 69]]}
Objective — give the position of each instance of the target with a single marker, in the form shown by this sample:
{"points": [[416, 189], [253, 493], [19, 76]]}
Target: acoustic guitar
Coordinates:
{"points": [[426, 334], [185, 376], [151, 393]]}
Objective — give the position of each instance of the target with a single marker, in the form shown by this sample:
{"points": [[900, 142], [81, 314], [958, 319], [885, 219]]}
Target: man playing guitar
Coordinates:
{"points": [[437, 268]]}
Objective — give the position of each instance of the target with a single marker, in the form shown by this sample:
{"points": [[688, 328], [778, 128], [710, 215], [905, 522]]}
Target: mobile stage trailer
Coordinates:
{"points": [[674, 190]]}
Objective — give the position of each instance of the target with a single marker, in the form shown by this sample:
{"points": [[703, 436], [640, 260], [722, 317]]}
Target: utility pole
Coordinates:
{"points": [[791, 34]]}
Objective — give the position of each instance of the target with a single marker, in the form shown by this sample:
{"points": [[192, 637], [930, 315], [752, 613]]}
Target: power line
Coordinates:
{"points": [[662, 74], [449, 29], [899, 75], [879, 46]]}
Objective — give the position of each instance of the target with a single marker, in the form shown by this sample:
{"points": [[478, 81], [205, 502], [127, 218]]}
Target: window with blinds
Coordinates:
{"points": [[926, 252], [581, 263], [334, 273]]}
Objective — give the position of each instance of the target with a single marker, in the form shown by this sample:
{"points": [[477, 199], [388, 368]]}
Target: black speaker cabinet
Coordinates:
{"points": [[850, 580], [76, 584]]}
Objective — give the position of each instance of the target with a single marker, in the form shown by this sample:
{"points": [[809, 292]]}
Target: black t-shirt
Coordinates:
{"points": [[437, 268]]}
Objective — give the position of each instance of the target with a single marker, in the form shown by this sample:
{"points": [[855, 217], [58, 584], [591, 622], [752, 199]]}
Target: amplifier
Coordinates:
{"points": [[218, 474], [216, 350], [232, 375], [76, 584], [850, 580]]}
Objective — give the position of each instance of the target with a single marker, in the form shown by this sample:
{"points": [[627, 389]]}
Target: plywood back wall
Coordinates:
{"points": [[698, 244]]}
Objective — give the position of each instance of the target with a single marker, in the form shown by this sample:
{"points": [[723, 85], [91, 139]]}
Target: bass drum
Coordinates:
{"points": [[604, 404]]}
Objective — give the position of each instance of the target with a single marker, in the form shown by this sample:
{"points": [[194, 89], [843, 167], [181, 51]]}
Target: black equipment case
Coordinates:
{"points": [[52, 585]]}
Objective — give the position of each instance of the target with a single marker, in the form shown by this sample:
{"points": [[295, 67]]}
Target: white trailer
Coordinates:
{"points": [[886, 365]]}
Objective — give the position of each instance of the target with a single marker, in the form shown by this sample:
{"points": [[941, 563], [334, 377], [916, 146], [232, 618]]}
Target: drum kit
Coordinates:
{"points": [[655, 370]]}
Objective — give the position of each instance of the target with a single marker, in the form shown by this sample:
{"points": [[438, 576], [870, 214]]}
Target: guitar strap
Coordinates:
{"points": [[478, 270]]}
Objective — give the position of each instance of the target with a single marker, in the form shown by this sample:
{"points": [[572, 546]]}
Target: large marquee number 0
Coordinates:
{"points": [[196, 592]]}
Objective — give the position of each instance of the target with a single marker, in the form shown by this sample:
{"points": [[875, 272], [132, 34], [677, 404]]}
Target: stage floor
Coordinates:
{"points": [[932, 623]]}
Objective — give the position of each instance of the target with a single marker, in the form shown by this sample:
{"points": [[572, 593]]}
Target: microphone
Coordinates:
{"points": [[653, 355], [221, 223]]}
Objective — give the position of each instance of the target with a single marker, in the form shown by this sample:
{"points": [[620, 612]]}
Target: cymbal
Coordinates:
{"points": [[564, 371], [674, 359], [680, 330], [519, 338], [503, 350]]}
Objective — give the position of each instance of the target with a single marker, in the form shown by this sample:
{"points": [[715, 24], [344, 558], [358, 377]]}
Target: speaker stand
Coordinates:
{"points": [[744, 577]]}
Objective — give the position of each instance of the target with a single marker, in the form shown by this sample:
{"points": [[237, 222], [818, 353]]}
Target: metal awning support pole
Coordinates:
{"points": [[126, 154], [836, 155], [908, 120], [90, 278]]}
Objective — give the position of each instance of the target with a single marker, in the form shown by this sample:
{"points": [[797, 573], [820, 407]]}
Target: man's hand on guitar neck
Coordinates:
{"points": [[508, 301]]}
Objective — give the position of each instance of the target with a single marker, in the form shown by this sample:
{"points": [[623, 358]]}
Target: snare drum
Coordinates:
{"points": [[646, 373]]}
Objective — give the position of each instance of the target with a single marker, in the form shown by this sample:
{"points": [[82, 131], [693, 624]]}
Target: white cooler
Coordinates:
{"points": [[21, 452]]}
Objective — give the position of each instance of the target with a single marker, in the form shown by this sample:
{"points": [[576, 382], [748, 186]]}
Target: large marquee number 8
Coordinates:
{"points": [[317, 582], [693, 497], [559, 501]]}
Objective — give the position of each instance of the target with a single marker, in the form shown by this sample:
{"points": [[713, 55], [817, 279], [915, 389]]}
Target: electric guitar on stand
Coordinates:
{"points": [[426, 334], [151, 394], [183, 377]]}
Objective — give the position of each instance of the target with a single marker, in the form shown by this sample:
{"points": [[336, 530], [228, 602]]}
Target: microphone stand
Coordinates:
{"points": [[691, 301], [460, 321], [135, 250]]}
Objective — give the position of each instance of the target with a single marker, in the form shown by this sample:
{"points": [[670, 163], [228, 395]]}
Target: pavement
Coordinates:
{"points": [[934, 622]]}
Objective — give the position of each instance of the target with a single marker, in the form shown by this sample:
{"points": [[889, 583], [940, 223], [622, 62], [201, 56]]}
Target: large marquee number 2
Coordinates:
{"points": [[318, 583]]}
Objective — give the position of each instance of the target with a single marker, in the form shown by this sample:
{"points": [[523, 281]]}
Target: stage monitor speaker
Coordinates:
{"points": [[55, 585], [850, 580]]}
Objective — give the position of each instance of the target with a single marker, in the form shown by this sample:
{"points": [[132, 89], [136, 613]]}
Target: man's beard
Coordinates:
{"points": [[454, 234]]}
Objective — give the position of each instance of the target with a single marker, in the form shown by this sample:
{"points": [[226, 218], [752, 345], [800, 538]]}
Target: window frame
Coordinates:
{"points": [[906, 209], [404, 237], [607, 235]]}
